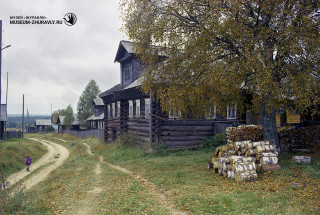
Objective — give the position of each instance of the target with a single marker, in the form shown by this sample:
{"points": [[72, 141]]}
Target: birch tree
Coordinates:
{"points": [[199, 53]]}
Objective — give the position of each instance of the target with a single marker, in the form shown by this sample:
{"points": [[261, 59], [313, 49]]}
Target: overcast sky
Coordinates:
{"points": [[52, 63]]}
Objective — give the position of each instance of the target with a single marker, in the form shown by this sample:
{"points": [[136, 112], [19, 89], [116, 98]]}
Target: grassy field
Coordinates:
{"points": [[13, 152], [183, 178]]}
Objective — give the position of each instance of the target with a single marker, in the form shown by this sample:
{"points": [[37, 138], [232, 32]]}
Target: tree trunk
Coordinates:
{"points": [[270, 129]]}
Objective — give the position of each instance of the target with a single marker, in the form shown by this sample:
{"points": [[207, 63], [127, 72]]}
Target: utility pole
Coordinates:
{"points": [[22, 114]]}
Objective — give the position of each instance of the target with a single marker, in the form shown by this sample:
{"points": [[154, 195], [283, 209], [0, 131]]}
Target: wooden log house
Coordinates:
{"points": [[127, 109], [42, 124], [96, 121]]}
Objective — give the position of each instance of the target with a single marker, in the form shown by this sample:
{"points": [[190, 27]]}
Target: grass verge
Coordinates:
{"points": [[13, 152]]}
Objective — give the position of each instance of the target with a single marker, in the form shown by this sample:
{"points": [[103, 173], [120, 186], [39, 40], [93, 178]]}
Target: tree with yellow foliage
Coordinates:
{"points": [[214, 50]]}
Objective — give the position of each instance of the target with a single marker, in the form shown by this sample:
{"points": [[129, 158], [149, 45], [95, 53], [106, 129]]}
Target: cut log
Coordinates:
{"points": [[268, 160], [270, 167], [246, 176], [302, 159]]}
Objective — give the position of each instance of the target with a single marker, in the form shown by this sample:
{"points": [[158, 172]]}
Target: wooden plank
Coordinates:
{"points": [[186, 133], [187, 123], [181, 143], [187, 128], [183, 138]]}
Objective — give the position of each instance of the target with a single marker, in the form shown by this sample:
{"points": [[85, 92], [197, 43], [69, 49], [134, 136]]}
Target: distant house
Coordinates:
{"points": [[61, 127], [96, 120], [3, 121], [42, 124], [127, 109]]}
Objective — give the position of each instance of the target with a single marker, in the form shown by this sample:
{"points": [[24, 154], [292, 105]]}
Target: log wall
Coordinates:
{"points": [[180, 134]]}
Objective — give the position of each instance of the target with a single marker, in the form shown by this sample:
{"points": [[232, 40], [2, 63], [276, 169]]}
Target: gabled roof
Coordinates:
{"points": [[98, 101], [112, 90], [60, 120], [125, 48], [90, 118], [43, 121], [99, 117], [3, 110]]}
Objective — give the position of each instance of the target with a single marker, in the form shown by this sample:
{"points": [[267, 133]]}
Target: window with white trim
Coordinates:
{"points": [[118, 108], [147, 107], [212, 113], [231, 112], [137, 108], [174, 114], [108, 111], [130, 108], [113, 110]]}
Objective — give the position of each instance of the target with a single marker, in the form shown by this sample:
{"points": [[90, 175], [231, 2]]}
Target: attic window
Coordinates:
{"points": [[126, 73]]}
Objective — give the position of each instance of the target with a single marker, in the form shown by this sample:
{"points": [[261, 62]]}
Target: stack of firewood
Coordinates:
{"points": [[292, 138], [245, 132], [240, 160]]}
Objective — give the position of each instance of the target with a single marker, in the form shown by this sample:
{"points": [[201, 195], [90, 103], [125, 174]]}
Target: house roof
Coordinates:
{"points": [[90, 118], [100, 117], [136, 83], [111, 91], [75, 121], [60, 119], [126, 46], [98, 101], [43, 121], [3, 110]]}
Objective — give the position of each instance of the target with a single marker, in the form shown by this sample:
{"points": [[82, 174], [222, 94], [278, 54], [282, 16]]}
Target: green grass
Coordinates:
{"points": [[185, 180], [182, 176], [13, 152]]}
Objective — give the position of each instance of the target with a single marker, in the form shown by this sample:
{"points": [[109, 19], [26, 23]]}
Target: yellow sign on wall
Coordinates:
{"points": [[278, 120], [293, 118]]}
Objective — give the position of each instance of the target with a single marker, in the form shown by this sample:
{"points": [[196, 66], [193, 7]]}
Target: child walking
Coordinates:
{"points": [[28, 162]]}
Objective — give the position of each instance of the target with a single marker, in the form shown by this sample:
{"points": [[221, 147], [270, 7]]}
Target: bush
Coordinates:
{"points": [[213, 142], [130, 139], [49, 129]]}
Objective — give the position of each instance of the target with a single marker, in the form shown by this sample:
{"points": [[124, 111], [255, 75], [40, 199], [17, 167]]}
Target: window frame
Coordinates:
{"points": [[118, 108], [231, 115], [138, 108], [147, 105], [130, 112]]}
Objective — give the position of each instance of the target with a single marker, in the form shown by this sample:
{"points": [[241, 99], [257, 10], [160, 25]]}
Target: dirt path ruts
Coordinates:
{"points": [[152, 188], [56, 155]]}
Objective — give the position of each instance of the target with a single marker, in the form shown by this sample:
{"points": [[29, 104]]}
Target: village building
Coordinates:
{"points": [[96, 121], [61, 127], [42, 124], [3, 121], [128, 109]]}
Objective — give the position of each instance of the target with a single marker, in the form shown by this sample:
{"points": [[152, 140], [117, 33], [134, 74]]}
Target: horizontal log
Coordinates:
{"points": [[187, 133], [181, 143], [138, 120], [183, 138], [187, 123], [140, 128]]}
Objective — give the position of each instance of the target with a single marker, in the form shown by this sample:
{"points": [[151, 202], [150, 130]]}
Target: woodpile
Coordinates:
{"points": [[295, 139], [240, 160], [245, 132], [302, 159]]}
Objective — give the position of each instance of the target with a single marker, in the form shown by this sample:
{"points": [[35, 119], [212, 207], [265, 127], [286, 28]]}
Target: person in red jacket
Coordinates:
{"points": [[28, 162]]}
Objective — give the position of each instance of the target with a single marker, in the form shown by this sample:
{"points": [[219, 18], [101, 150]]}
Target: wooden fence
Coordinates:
{"points": [[98, 133], [14, 134]]}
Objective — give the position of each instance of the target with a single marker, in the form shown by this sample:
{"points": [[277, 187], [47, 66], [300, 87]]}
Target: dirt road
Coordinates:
{"points": [[56, 155]]}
